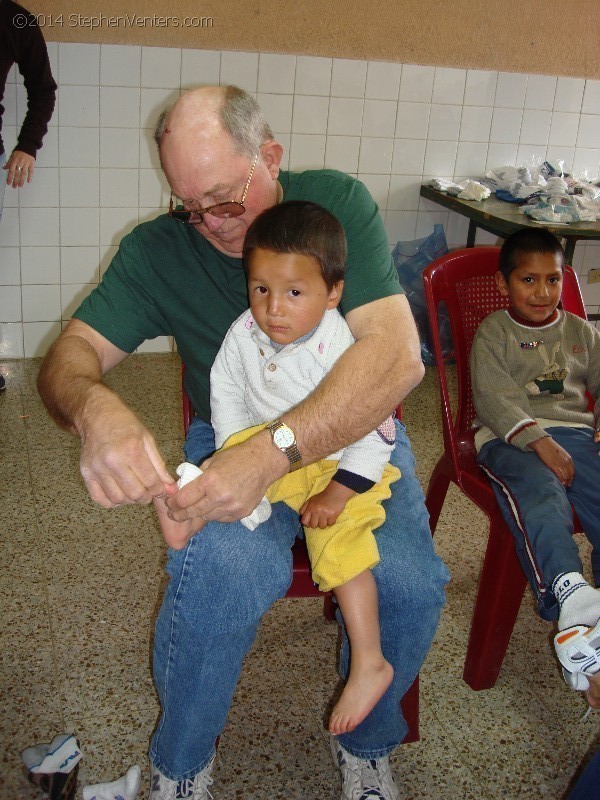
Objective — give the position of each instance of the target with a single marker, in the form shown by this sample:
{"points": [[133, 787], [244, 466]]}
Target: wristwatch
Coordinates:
{"points": [[285, 439]]}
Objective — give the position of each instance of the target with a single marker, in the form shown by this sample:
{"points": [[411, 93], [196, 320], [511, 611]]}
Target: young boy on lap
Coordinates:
{"points": [[274, 355]]}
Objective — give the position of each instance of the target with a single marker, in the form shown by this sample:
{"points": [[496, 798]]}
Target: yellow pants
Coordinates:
{"points": [[345, 549]]}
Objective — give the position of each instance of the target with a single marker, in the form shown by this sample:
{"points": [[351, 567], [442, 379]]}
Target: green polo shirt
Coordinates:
{"points": [[168, 280]]}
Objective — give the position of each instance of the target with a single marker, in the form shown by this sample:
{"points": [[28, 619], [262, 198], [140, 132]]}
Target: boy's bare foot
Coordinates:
{"points": [[366, 686], [176, 534]]}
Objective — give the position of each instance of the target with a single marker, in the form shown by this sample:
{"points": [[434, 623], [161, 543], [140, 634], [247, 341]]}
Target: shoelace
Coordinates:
{"points": [[365, 779], [373, 778], [196, 789], [368, 775]]}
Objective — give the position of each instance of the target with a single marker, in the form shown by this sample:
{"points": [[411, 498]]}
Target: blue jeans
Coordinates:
{"points": [[537, 508], [588, 782], [227, 577]]}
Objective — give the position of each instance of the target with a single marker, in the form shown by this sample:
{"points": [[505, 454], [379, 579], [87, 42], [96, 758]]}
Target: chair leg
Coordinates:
{"points": [[436, 494], [501, 588], [410, 711], [329, 607]]}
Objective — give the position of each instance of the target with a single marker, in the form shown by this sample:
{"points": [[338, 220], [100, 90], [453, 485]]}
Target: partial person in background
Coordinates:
{"points": [[22, 43]]}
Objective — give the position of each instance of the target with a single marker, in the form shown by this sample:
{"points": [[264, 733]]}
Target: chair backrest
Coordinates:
{"points": [[464, 281]]}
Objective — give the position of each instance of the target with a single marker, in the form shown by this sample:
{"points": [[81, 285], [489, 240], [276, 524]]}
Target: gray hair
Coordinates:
{"points": [[240, 115]]}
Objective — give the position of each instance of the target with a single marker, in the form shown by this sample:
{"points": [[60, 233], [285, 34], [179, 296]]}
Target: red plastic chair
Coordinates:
{"points": [[303, 586], [464, 282]]}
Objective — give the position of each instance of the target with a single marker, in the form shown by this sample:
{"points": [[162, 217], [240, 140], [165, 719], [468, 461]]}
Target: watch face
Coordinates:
{"points": [[284, 437]]}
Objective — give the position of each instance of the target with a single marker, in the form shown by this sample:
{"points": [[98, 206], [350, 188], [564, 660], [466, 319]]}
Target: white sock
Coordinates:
{"points": [[125, 788], [61, 755], [187, 472], [578, 601]]}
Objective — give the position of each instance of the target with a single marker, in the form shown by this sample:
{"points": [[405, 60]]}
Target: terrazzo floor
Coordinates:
{"points": [[80, 588]]}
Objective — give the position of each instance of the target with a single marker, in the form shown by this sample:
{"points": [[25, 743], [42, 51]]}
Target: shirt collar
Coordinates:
{"points": [[528, 324], [315, 341]]}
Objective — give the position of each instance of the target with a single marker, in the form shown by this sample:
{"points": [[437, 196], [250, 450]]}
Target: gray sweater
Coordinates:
{"points": [[528, 378]]}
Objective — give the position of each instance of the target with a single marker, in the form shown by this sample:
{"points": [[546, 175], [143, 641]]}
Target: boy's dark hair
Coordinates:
{"points": [[525, 241], [299, 226]]}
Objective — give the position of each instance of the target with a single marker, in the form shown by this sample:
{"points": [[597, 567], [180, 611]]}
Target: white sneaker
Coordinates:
{"points": [[578, 650], [195, 788], [364, 779]]}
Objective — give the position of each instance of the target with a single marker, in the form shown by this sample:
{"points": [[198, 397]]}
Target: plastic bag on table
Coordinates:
{"points": [[556, 208], [410, 259]]}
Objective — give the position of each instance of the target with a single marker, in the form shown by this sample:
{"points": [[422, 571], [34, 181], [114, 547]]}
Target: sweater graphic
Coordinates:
{"points": [[551, 380]]}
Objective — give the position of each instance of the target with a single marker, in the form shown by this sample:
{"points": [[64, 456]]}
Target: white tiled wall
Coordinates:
{"points": [[392, 125]]}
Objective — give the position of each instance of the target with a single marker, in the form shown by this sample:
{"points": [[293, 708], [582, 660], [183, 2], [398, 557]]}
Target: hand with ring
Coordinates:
{"points": [[20, 167]]}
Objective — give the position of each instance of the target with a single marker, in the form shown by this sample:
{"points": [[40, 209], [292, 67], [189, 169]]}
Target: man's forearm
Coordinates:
{"points": [[354, 398], [365, 385], [69, 375]]}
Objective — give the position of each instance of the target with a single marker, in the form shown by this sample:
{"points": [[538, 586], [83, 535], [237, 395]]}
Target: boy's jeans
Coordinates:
{"points": [[537, 508], [227, 577]]}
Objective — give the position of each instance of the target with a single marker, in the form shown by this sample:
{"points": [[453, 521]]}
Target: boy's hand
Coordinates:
{"points": [[555, 458], [321, 510], [597, 437]]}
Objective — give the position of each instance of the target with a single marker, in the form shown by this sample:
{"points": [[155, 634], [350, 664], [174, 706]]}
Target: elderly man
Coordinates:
{"points": [[181, 274]]}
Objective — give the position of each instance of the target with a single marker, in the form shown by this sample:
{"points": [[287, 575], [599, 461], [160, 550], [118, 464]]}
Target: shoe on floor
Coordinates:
{"points": [[54, 767], [364, 779], [2, 383], [578, 650], [195, 788], [57, 785]]}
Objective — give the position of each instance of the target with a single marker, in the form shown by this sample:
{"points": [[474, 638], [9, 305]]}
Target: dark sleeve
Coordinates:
{"points": [[34, 66], [350, 480]]}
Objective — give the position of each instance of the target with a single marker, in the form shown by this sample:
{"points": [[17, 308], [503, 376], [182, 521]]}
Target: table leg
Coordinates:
{"points": [[570, 242], [471, 233]]}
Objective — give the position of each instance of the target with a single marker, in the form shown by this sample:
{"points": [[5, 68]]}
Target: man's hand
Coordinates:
{"points": [[233, 482], [593, 693], [555, 458], [120, 462], [321, 510], [20, 167]]}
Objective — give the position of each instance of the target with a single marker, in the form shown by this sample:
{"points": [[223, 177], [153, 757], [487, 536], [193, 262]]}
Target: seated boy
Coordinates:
{"points": [[531, 366], [273, 356]]}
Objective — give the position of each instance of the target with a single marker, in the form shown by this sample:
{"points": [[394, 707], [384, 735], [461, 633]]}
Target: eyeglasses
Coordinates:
{"points": [[231, 208]]}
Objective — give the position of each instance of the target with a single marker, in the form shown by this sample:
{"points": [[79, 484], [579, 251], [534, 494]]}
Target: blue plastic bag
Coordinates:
{"points": [[410, 259]]}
